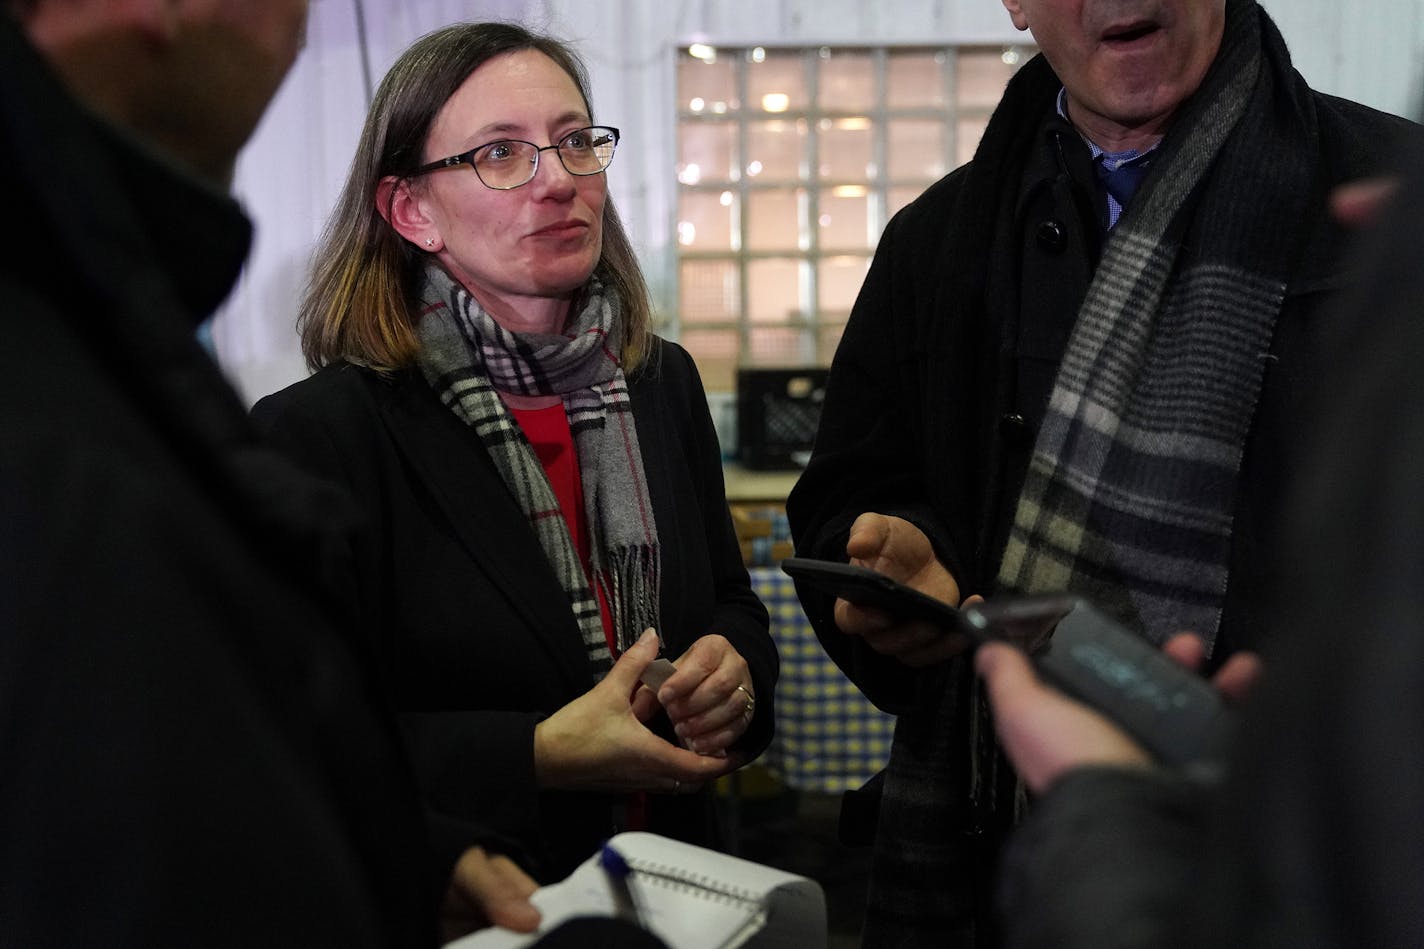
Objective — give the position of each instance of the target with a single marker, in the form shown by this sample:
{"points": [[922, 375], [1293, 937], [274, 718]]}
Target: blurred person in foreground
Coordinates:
{"points": [[1314, 837], [540, 470], [191, 749], [1076, 365]]}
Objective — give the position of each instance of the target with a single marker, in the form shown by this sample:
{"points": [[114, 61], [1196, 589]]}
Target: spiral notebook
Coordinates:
{"points": [[691, 897]]}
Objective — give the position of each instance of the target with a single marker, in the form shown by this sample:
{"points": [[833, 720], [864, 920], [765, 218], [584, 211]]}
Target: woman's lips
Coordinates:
{"points": [[562, 230]]}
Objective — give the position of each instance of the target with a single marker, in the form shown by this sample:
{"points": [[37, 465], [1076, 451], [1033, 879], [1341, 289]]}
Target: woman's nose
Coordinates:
{"points": [[550, 173]]}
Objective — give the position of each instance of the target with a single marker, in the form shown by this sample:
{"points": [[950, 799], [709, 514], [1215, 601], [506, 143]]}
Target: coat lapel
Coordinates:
{"points": [[464, 482]]}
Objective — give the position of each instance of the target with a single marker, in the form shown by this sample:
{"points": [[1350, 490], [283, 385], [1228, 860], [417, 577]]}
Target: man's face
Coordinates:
{"points": [[227, 61], [191, 76], [1127, 64]]}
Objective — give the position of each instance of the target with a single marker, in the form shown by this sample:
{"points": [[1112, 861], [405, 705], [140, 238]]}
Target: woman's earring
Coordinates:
{"points": [[430, 242]]}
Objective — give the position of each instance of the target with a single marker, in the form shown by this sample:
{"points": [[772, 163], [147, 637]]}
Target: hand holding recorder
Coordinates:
{"points": [[1047, 734], [1176, 716]]}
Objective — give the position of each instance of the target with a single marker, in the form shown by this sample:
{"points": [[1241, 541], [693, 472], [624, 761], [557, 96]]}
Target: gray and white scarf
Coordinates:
{"points": [[468, 358]]}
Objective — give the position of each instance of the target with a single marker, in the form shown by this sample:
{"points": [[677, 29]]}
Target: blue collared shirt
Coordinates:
{"points": [[1110, 160]]}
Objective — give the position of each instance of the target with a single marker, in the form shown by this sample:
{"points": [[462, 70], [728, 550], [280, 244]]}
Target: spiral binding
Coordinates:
{"points": [[675, 878]]}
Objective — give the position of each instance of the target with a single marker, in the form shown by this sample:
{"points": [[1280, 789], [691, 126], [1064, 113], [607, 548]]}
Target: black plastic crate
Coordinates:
{"points": [[777, 414]]}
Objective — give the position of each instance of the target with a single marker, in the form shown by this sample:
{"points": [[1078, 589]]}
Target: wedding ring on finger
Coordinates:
{"points": [[750, 708]]}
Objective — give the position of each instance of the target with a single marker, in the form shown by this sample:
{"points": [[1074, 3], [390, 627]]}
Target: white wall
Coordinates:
{"points": [[292, 171]]}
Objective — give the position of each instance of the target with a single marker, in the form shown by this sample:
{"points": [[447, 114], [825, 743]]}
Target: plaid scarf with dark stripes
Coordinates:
{"points": [[1131, 488], [468, 359], [1130, 500]]}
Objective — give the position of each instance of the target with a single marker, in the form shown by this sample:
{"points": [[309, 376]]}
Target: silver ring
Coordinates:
{"points": [[751, 702]]}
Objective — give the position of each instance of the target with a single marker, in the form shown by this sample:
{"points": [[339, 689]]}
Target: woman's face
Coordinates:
{"points": [[522, 253]]}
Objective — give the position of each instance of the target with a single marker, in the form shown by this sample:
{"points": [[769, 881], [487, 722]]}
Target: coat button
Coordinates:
{"points": [[1013, 426], [1051, 236]]}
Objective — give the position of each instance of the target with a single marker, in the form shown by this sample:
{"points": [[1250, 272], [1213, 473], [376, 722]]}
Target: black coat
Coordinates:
{"points": [[1315, 838], [190, 753], [932, 409], [932, 417], [474, 631]]}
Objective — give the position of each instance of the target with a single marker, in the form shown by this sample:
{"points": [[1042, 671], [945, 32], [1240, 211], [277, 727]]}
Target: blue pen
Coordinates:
{"points": [[620, 875]]}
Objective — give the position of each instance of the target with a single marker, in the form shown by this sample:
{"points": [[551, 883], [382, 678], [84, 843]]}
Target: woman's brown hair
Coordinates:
{"points": [[360, 303]]}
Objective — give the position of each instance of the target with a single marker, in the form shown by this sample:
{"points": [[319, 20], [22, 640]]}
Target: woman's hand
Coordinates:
{"points": [[710, 698], [599, 742]]}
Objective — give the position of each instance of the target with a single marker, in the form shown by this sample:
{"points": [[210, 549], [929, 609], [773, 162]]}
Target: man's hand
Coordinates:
{"points": [[1359, 203], [487, 890], [900, 550], [1046, 734], [1237, 675]]}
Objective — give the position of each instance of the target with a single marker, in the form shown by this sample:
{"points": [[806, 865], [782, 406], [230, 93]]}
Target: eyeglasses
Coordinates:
{"points": [[509, 163]]}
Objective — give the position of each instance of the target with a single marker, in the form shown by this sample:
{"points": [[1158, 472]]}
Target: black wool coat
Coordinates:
{"points": [[931, 415], [474, 633], [190, 748], [1313, 838], [931, 412]]}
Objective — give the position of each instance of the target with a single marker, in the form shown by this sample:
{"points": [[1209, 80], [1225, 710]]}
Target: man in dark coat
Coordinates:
{"points": [[1314, 839], [1076, 364], [190, 749]]}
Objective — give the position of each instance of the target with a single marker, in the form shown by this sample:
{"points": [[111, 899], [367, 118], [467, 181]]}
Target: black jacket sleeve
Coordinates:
{"points": [[870, 451], [1072, 878]]}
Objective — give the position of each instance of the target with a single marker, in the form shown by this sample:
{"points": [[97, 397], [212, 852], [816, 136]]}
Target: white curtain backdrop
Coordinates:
{"points": [[291, 173]]}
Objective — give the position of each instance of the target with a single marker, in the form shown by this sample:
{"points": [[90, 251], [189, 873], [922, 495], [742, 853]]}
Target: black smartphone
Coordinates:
{"points": [[1175, 714], [871, 588]]}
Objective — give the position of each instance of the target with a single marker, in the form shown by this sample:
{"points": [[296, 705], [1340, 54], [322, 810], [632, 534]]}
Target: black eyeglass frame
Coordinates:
{"points": [[468, 157]]}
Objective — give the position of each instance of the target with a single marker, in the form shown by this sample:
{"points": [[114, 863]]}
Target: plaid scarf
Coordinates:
{"points": [[1131, 492], [468, 358], [1131, 487]]}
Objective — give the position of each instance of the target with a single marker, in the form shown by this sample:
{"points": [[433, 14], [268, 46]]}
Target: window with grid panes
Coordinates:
{"points": [[790, 162]]}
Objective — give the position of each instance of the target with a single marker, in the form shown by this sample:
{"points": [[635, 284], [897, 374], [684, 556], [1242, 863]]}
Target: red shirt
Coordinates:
{"points": [[548, 433]]}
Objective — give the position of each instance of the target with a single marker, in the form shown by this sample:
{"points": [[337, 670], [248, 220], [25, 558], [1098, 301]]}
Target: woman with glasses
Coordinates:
{"points": [[539, 474]]}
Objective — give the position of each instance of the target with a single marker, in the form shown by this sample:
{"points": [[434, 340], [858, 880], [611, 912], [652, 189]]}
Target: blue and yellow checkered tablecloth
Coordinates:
{"points": [[829, 737]]}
